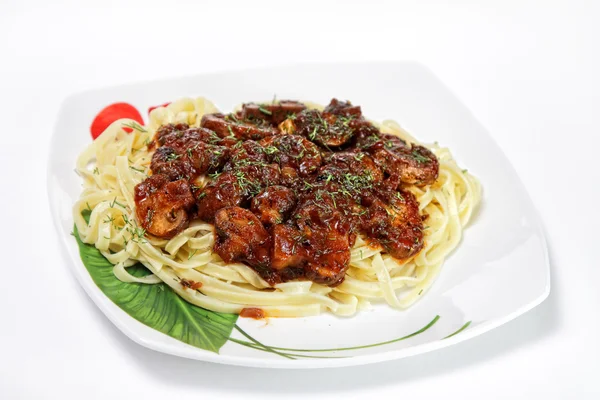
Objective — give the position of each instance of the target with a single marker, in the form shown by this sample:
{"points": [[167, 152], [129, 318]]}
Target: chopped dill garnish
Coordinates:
{"points": [[137, 233], [173, 156], [134, 125], [112, 205], [323, 122], [264, 110], [149, 217], [332, 195], [419, 157], [245, 184], [345, 120], [270, 149], [230, 131], [300, 155]]}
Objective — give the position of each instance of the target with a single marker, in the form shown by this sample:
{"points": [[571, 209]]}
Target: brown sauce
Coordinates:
{"points": [[190, 284], [290, 188], [251, 312]]}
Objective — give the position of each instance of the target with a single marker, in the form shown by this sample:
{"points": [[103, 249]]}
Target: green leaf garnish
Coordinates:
{"points": [[158, 306]]}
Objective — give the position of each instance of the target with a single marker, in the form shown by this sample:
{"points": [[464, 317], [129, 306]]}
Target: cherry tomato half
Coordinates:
{"points": [[110, 114]]}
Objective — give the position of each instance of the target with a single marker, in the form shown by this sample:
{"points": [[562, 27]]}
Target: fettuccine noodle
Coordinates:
{"points": [[117, 161]]}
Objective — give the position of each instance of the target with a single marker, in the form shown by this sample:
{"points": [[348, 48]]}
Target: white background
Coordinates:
{"points": [[528, 70]]}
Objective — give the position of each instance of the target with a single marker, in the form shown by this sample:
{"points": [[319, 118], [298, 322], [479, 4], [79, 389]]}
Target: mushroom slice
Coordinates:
{"points": [[162, 206]]}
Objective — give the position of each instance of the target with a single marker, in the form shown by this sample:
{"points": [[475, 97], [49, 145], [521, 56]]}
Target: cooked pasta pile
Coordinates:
{"points": [[117, 161]]}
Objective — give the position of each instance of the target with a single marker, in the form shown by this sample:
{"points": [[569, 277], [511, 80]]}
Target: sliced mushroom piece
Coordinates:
{"points": [[395, 222], [274, 113], [167, 161], [167, 222], [326, 237], [182, 140], [289, 249], [241, 237], [162, 206], [169, 132], [227, 126], [206, 157], [273, 204], [415, 165], [325, 129], [357, 168], [293, 151], [343, 108], [245, 153], [329, 269], [219, 193]]}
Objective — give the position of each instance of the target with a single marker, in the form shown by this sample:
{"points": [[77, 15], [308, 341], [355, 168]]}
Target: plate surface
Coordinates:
{"points": [[498, 272]]}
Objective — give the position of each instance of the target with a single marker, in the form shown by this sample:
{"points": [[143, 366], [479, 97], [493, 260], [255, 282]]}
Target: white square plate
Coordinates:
{"points": [[498, 272]]}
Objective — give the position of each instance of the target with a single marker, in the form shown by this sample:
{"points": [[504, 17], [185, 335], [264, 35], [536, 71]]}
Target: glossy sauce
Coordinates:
{"points": [[290, 188], [251, 312], [190, 284]]}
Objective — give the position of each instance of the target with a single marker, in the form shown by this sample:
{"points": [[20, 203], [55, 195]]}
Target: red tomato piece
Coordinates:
{"points": [[160, 105], [110, 114]]}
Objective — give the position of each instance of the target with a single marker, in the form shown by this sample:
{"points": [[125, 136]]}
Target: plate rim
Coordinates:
{"points": [[123, 324]]}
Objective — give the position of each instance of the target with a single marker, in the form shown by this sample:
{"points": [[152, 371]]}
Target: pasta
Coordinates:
{"points": [[117, 161]]}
